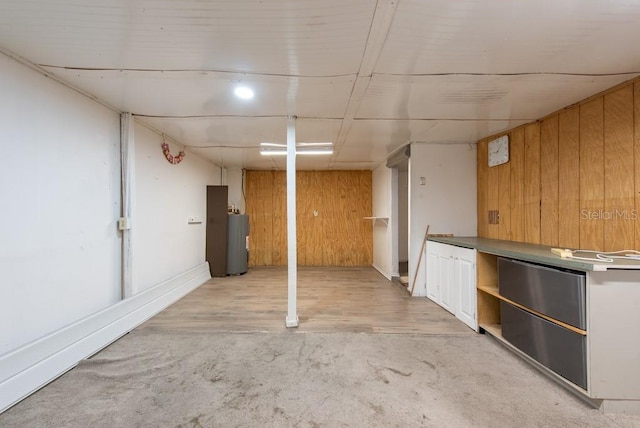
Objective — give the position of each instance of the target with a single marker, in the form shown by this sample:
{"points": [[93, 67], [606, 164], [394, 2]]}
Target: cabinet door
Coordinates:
{"points": [[440, 275], [446, 280], [465, 280], [433, 290]]}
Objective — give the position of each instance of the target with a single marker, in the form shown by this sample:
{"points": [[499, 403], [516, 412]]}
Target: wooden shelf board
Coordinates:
{"points": [[490, 289], [493, 291], [494, 330], [384, 220]]}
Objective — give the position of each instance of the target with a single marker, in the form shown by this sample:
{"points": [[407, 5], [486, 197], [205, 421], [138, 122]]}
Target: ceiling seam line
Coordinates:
{"points": [[195, 70], [37, 68], [22, 60], [381, 22], [533, 73]]}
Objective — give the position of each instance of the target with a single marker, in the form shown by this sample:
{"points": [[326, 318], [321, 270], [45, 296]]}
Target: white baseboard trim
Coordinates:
{"points": [[30, 367], [382, 271], [419, 291]]}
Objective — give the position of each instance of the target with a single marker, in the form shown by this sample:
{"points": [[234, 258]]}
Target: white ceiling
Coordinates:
{"points": [[368, 75]]}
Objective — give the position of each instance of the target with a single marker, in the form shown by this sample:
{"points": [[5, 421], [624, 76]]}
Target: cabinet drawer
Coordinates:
{"points": [[552, 292], [553, 346]]}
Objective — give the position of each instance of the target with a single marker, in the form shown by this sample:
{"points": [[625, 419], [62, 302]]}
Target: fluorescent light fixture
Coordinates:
{"points": [[243, 92], [274, 149], [329, 144], [316, 151]]}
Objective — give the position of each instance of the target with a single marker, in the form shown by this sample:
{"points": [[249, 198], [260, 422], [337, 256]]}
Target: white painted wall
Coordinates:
{"points": [[447, 202], [60, 187], [60, 248], [403, 216], [384, 180], [166, 195]]}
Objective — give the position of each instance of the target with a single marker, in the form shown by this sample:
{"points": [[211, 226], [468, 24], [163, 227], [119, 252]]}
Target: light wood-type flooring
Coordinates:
{"points": [[330, 299]]}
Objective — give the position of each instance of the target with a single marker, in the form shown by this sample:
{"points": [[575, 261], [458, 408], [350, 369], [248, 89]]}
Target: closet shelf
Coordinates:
{"points": [[384, 220]]}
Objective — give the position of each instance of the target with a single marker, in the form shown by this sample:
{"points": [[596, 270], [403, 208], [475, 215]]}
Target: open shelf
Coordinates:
{"points": [[493, 292], [494, 330], [488, 307], [490, 289], [383, 220]]}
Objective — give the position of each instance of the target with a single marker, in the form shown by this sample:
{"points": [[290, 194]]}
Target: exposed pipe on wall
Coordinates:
{"points": [[127, 148]]}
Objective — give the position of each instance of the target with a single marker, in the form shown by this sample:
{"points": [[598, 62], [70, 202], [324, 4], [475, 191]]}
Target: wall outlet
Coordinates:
{"points": [[494, 217]]}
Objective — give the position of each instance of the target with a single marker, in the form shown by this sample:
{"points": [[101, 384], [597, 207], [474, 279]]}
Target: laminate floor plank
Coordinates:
{"points": [[330, 299]]}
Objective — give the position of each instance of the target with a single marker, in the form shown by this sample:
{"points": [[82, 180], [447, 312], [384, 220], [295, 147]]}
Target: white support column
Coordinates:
{"points": [[126, 166], [292, 315]]}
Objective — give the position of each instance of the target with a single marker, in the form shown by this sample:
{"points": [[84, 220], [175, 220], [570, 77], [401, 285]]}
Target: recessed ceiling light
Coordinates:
{"points": [[243, 92]]}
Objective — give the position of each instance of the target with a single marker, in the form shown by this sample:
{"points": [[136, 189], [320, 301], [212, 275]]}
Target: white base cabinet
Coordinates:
{"points": [[451, 280]]}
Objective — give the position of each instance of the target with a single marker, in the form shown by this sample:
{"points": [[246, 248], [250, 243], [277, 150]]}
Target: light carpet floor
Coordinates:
{"points": [[295, 379]]}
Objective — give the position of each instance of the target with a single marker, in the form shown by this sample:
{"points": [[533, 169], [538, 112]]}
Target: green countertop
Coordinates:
{"points": [[533, 253]]}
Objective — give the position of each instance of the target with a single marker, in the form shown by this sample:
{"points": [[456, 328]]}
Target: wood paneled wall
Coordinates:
{"points": [[337, 236], [573, 177]]}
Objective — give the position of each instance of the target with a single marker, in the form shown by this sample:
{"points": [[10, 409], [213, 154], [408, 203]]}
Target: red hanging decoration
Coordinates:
{"points": [[171, 158]]}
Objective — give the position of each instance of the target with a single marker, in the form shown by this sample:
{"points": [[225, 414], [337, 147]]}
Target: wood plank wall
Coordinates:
{"points": [[573, 177], [337, 236]]}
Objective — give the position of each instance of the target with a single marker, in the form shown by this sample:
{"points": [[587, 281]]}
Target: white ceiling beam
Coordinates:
{"points": [[380, 26]]}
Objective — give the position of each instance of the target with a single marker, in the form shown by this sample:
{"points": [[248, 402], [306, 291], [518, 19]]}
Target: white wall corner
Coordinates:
{"points": [[382, 272], [382, 206], [447, 202]]}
